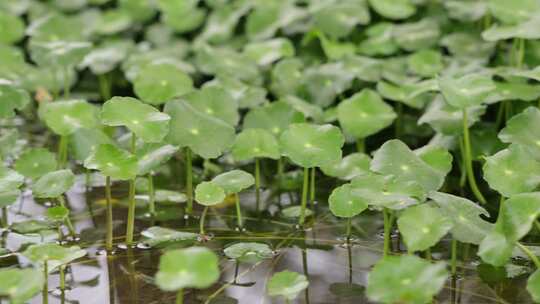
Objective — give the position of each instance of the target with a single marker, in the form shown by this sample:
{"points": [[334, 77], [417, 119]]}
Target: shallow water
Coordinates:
{"points": [[337, 271]]}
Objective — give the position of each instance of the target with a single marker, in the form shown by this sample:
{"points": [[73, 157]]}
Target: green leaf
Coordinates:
{"points": [[234, 181], [157, 236], [393, 9], [422, 227], [467, 45], [9, 179], [348, 167], [286, 76], [9, 197], [395, 158], [515, 220], [144, 120], [249, 252], [405, 279], [158, 83], [379, 41], [466, 10], [307, 109], [150, 156], [339, 18], [344, 202], [11, 99], [324, 83], [267, 17], [194, 267], [11, 28], [294, 212], [113, 21], [466, 91], [246, 95], [57, 213], [255, 143], [364, 68], [216, 102], [35, 162], [266, 52], [53, 184], [416, 35], [524, 30], [181, 16], [310, 145], [425, 63], [411, 94], [468, 226], [512, 171], [514, 91], [515, 12], [209, 194], [364, 114], [274, 117], [105, 57], [226, 62], [207, 136], [437, 157], [66, 117], [84, 141], [286, 284], [58, 53], [53, 254], [519, 130], [533, 286], [20, 285], [113, 161]]}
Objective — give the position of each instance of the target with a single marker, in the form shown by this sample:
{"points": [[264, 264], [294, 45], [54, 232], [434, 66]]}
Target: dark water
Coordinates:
{"points": [[337, 272]]}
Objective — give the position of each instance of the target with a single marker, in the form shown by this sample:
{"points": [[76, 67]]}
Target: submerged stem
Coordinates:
{"points": [[304, 197], [67, 221], [387, 227], [454, 257], [238, 211], [151, 195], [180, 296], [257, 184], [468, 161], [131, 209], [45, 291], [109, 237], [349, 228], [530, 254], [189, 181], [62, 277], [201, 222]]}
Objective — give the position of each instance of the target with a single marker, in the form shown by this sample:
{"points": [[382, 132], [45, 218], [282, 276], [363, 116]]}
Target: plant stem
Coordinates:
{"points": [[398, 126], [361, 145], [180, 296], [62, 152], [201, 222], [45, 291], [349, 228], [104, 87], [387, 226], [109, 237], [62, 277], [151, 195], [131, 209], [468, 161], [520, 52], [5, 222], [238, 211], [68, 223], [530, 254], [257, 184], [312, 189], [454, 257], [189, 181], [304, 197], [66, 83]]}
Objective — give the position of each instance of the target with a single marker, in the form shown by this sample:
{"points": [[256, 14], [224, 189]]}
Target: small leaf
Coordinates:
{"points": [[113, 162], [422, 227], [157, 236], [66, 117], [57, 213], [286, 284], [274, 117], [344, 203], [158, 83], [35, 162], [209, 194], [405, 279], [53, 184], [194, 267], [348, 167], [249, 252], [425, 63], [234, 181], [255, 143]]}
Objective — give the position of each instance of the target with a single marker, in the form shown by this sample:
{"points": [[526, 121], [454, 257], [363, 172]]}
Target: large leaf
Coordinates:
{"points": [[11, 99], [274, 117], [113, 161], [234, 181], [286, 284], [11, 28], [344, 202], [466, 91], [20, 285], [255, 143], [158, 83], [53, 184], [348, 167], [35, 162], [215, 102], [520, 130], [66, 117]]}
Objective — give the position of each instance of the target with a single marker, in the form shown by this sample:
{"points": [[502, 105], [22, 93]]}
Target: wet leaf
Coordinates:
{"points": [[209, 194], [310, 145], [158, 83], [20, 285], [422, 227], [234, 181], [248, 252], [216, 102], [344, 202], [113, 161], [286, 284], [194, 267], [144, 120], [466, 91], [207, 136], [53, 254], [393, 9], [53, 184], [406, 279], [35, 162], [156, 236], [274, 117], [150, 156], [66, 117], [364, 114], [348, 167], [255, 143]]}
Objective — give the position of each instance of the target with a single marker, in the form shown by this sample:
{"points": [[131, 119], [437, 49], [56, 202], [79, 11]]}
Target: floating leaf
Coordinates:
{"points": [[422, 227], [216, 102], [157, 236], [468, 226], [294, 212], [144, 120], [20, 285], [207, 136], [515, 220], [35, 162], [286, 284], [255, 143], [519, 130], [249, 252], [150, 156], [53, 184], [348, 167], [274, 117], [194, 267], [158, 83], [364, 114], [66, 117], [512, 171], [209, 194], [234, 181], [393, 9], [53, 254], [343, 202], [310, 145], [11, 99], [113, 161], [405, 279]]}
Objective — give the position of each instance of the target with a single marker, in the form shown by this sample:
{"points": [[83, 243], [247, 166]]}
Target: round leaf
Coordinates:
{"points": [[35, 162], [9, 179], [393, 9], [209, 194], [287, 284], [53, 184], [113, 161], [533, 286], [66, 117], [150, 156], [519, 128], [274, 117], [234, 181], [255, 143], [348, 167], [248, 252], [344, 203], [158, 83], [466, 91], [20, 285], [11, 99], [53, 254], [215, 102]]}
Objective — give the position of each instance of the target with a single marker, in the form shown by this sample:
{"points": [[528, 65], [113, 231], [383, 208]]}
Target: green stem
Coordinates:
{"points": [[109, 237], [131, 208], [257, 184], [67, 221], [349, 228], [66, 83], [104, 87], [5, 222], [201, 222], [62, 151], [454, 257], [189, 181], [361, 145], [151, 195], [62, 277], [238, 211], [530, 254], [312, 189], [520, 52], [304, 197], [180, 296], [45, 291], [387, 227], [468, 161]]}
